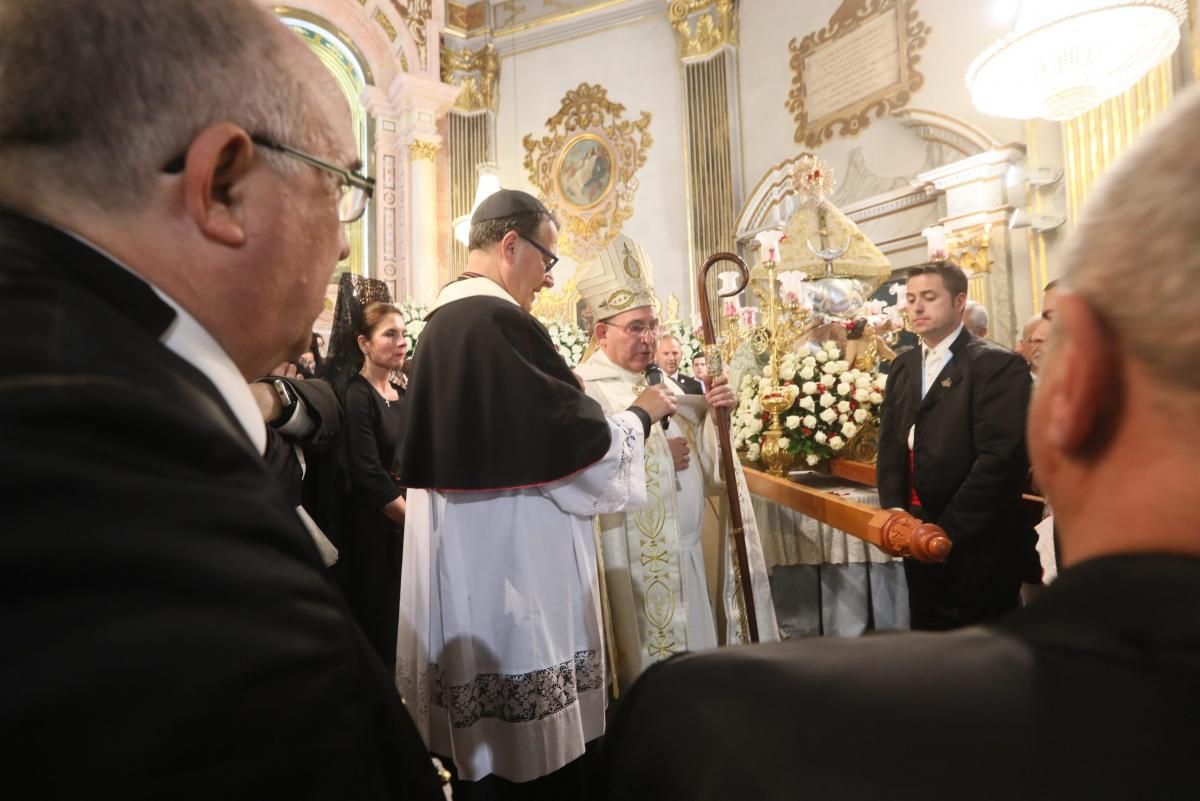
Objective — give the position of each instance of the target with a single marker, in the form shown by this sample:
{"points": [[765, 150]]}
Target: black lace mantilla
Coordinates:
{"points": [[520, 697]]}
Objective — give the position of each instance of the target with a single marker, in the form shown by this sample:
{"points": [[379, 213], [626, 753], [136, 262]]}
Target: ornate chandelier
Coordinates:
{"points": [[1066, 57]]}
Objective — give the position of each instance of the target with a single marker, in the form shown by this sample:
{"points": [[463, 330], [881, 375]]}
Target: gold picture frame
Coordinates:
{"points": [[584, 172], [588, 129], [851, 17]]}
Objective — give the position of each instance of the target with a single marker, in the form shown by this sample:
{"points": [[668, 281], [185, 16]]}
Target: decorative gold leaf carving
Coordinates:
{"points": [[850, 16], [415, 14], [588, 119], [475, 71], [714, 27], [386, 24]]}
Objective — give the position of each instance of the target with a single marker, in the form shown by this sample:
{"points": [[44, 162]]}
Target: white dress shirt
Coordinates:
{"points": [[933, 361]]}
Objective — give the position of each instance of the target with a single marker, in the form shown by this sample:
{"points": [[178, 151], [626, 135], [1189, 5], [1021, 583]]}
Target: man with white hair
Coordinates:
{"points": [[175, 181], [1033, 340], [975, 318], [1088, 692]]}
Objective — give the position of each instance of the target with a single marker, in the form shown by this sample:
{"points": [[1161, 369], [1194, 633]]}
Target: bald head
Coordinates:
{"points": [[1113, 421]]}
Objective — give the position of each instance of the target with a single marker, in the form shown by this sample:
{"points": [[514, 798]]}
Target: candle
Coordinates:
{"points": [[768, 244]]}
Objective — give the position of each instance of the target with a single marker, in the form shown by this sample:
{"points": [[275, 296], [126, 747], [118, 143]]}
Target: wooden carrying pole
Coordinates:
{"points": [[893, 531], [722, 419]]}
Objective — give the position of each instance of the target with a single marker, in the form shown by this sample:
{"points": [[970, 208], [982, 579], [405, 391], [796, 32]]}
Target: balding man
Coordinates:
{"points": [[1089, 692], [670, 356], [1033, 340], [975, 318], [175, 180]]}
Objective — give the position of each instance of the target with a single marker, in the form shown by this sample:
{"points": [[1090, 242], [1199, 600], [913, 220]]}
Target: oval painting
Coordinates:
{"points": [[585, 171]]}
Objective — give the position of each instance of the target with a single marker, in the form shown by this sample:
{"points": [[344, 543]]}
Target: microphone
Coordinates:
{"points": [[654, 375]]}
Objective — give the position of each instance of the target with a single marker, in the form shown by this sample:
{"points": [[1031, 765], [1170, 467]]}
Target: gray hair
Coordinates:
{"points": [[975, 318], [96, 96], [1031, 325], [1135, 254]]}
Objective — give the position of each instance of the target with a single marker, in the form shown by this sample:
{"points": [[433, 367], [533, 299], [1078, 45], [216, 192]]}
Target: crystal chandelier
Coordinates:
{"points": [[1065, 57]]}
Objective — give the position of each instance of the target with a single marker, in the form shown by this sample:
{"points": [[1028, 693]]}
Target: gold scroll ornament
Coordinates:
{"points": [[585, 169]]}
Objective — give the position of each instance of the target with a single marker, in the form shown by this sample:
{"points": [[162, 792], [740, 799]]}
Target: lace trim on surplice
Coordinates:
{"points": [[519, 697]]}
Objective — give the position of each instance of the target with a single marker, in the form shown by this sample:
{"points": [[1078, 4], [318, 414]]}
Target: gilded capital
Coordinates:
{"points": [[703, 26], [475, 73], [419, 149]]}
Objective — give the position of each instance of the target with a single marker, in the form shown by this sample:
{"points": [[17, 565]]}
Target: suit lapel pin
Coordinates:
{"points": [[946, 383]]}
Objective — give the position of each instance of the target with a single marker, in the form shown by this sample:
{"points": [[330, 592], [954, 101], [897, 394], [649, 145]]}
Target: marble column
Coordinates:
{"points": [[421, 103], [386, 207]]}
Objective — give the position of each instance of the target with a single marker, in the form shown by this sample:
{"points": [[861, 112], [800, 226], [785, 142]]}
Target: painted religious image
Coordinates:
{"points": [[585, 171]]}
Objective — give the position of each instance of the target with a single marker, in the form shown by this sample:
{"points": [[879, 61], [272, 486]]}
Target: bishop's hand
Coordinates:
{"points": [[720, 394], [656, 401]]}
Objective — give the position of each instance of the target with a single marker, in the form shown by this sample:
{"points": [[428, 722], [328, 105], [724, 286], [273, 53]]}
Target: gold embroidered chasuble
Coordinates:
{"points": [[642, 553]]}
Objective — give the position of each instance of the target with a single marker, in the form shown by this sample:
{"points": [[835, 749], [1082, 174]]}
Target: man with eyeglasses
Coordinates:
{"points": [[500, 653], [655, 580], [165, 236]]}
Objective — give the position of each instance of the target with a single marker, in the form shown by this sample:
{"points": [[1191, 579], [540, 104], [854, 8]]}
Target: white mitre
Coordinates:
{"points": [[618, 279]]}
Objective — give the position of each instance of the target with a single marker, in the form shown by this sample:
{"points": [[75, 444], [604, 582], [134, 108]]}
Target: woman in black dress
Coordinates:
{"points": [[372, 537]]}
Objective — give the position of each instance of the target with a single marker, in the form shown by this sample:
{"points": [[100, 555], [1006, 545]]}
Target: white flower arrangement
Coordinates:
{"points": [[569, 339], [413, 313], [828, 412]]}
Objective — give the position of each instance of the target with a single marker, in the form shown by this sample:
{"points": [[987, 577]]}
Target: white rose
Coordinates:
{"points": [[820, 437], [863, 382], [764, 385], [849, 430], [843, 389], [812, 459], [809, 361], [807, 373], [836, 442], [860, 415], [843, 406], [822, 356], [830, 347], [809, 388], [810, 421], [839, 366], [767, 372], [827, 400], [783, 443], [881, 381], [787, 372], [807, 405], [793, 421], [862, 395], [843, 418], [876, 398], [754, 426], [829, 415], [752, 451], [828, 380]]}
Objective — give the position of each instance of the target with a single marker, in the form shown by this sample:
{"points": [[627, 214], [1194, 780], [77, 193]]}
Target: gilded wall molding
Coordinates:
{"points": [[421, 149], [852, 118], [416, 14], [386, 24], [475, 72], [585, 169], [703, 26]]}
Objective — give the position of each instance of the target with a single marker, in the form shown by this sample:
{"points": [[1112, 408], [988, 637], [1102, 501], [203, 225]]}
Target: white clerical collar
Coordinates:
{"points": [[470, 288], [942, 348], [192, 343], [599, 366]]}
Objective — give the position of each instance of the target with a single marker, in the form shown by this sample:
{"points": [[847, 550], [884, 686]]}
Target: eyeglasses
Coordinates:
{"points": [[355, 189], [639, 328], [548, 258]]}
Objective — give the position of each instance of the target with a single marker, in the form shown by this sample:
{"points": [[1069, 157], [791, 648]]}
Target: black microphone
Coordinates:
{"points": [[654, 375]]}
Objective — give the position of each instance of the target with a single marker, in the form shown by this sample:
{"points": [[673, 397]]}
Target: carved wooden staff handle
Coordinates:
{"points": [[722, 419], [900, 534]]}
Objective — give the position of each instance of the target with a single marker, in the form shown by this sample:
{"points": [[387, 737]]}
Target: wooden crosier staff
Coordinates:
{"points": [[722, 418]]}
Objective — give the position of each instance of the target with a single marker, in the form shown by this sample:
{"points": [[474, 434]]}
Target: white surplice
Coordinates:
{"points": [[500, 655]]}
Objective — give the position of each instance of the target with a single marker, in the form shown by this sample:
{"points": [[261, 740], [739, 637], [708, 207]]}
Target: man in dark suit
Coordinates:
{"points": [[670, 354], [1090, 691], [168, 631], [952, 452]]}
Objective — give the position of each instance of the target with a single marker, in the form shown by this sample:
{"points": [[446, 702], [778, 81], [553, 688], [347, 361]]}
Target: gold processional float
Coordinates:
{"points": [[809, 361]]}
